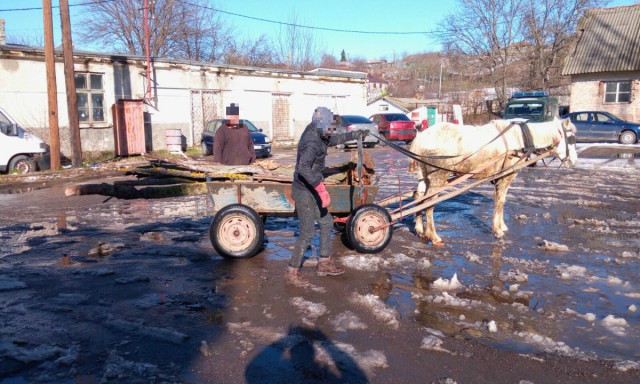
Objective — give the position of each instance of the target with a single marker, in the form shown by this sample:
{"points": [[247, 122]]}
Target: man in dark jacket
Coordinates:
{"points": [[311, 197], [232, 144]]}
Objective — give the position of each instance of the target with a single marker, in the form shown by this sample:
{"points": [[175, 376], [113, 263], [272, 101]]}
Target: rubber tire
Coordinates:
{"points": [[627, 137], [247, 227], [372, 145], [204, 149], [369, 214], [22, 164]]}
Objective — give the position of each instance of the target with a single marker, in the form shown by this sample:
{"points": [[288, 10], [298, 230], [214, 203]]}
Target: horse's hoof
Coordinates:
{"points": [[439, 243]]}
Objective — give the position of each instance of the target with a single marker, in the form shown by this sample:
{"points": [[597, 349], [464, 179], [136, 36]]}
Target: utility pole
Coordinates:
{"points": [[147, 49], [52, 88], [70, 81]]}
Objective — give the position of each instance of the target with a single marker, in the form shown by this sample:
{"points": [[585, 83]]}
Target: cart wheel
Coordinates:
{"points": [[236, 232], [360, 224]]}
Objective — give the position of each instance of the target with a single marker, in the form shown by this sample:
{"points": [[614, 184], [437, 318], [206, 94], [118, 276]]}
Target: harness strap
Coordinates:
{"points": [[527, 137]]}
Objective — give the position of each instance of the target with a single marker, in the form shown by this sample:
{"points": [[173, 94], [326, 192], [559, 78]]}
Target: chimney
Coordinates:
{"points": [[2, 34]]}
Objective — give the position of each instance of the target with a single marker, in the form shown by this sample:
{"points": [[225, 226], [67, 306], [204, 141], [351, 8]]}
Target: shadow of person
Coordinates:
{"points": [[304, 355]]}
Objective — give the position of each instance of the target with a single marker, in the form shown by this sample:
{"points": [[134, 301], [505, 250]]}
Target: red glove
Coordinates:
{"points": [[324, 195]]}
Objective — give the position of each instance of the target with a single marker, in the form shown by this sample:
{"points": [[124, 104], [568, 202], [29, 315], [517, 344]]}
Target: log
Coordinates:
{"points": [[128, 192]]}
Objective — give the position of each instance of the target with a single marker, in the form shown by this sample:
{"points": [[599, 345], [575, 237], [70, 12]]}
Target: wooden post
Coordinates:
{"points": [[69, 76], [52, 88]]}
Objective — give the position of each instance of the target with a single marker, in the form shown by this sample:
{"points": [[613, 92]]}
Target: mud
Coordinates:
{"points": [[100, 290]]}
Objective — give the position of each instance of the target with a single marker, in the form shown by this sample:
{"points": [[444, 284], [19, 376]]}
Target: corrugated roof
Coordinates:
{"points": [[608, 41]]}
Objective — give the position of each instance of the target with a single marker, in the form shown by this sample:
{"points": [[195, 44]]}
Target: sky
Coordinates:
{"points": [[402, 17]]}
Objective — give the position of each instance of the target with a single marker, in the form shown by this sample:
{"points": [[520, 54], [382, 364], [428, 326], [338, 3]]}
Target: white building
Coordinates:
{"points": [[185, 95]]}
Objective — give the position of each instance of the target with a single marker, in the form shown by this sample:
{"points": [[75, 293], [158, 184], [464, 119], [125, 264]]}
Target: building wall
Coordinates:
{"points": [[587, 94], [179, 89]]}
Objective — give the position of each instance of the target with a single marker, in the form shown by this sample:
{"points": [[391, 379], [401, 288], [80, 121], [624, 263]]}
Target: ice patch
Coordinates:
{"points": [[492, 326], [447, 285], [346, 321], [568, 272], [616, 325], [633, 308], [380, 310]]}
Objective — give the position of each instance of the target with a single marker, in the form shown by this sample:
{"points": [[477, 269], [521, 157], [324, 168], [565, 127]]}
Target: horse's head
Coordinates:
{"points": [[566, 148]]}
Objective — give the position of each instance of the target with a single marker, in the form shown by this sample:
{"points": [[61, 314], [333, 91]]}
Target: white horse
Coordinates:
{"points": [[450, 149]]}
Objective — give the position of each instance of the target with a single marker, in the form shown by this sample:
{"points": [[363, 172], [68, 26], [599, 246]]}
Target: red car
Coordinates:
{"points": [[395, 126]]}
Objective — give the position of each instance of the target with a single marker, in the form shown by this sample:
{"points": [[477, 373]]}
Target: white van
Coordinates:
{"points": [[19, 150]]}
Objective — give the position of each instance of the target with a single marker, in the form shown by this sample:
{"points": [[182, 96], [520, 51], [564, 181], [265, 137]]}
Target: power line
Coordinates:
{"points": [[309, 26], [251, 18], [55, 6]]}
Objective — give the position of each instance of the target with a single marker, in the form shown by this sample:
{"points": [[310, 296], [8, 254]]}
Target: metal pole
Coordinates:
{"points": [[147, 45], [69, 78], [52, 88]]}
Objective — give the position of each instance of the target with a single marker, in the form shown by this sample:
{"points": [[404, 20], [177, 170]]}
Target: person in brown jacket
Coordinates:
{"points": [[232, 144]]}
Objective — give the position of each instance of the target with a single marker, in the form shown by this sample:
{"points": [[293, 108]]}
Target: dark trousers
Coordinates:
{"points": [[309, 212]]}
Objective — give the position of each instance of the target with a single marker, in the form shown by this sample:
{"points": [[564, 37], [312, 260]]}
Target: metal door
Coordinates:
{"points": [[280, 120], [205, 106]]}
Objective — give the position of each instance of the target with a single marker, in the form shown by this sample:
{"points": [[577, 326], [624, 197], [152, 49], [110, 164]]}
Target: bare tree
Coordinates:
{"points": [[485, 30], [549, 26], [257, 53], [296, 46], [33, 40], [178, 29]]}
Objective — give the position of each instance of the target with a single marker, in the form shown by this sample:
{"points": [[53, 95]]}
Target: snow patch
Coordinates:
{"points": [[432, 343], [568, 272], [309, 309], [346, 321], [447, 285], [626, 365], [616, 325], [551, 246], [549, 345], [379, 309]]}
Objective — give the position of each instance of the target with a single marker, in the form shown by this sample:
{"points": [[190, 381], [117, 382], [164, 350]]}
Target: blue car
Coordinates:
{"points": [[261, 142], [603, 126]]}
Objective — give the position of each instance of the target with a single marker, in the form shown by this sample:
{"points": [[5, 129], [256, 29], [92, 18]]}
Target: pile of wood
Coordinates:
{"points": [[177, 177]]}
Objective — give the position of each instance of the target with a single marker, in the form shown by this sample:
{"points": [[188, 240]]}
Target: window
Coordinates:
{"points": [[90, 97], [617, 92]]}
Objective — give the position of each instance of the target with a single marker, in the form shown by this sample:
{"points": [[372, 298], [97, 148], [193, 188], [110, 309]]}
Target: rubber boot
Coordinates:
{"points": [[327, 267], [293, 277]]}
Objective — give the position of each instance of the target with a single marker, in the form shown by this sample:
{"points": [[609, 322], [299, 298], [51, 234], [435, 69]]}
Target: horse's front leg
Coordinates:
{"points": [[426, 229], [498, 226]]}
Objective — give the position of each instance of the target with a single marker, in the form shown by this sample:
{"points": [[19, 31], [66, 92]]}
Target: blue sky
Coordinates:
{"points": [[370, 15]]}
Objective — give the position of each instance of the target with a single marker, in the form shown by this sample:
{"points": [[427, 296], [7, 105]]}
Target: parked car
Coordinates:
{"points": [[20, 151], [261, 142], [348, 123], [395, 126], [601, 126]]}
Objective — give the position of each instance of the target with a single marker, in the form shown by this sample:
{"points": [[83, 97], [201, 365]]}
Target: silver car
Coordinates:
{"points": [[349, 123]]}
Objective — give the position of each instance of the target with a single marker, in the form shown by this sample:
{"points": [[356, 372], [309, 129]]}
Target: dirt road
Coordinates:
{"points": [[101, 290]]}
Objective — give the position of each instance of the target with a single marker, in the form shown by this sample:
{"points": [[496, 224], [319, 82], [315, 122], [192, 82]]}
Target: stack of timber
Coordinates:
{"points": [[163, 178]]}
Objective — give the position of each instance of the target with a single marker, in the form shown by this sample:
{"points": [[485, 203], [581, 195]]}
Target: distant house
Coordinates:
{"points": [[605, 62], [385, 105]]}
